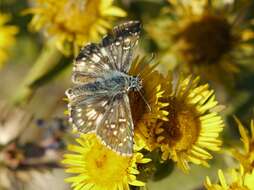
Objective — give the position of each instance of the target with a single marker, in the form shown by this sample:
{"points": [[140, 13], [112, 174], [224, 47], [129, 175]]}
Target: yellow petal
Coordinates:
{"points": [[114, 11]]}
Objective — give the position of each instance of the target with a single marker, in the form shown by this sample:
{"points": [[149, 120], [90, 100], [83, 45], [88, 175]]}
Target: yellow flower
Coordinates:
{"points": [[249, 178], [193, 123], [237, 181], [7, 37], [146, 110], [96, 167], [246, 157], [74, 22], [204, 37]]}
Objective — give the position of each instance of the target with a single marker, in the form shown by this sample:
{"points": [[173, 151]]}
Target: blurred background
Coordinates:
{"points": [[36, 64]]}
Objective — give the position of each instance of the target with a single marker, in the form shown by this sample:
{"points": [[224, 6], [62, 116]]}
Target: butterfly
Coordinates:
{"points": [[99, 102]]}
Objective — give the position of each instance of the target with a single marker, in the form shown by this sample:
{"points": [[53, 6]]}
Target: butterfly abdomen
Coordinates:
{"points": [[116, 83], [110, 84]]}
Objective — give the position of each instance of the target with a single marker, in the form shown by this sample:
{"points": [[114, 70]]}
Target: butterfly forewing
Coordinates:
{"points": [[116, 128], [91, 64], [114, 53], [120, 44]]}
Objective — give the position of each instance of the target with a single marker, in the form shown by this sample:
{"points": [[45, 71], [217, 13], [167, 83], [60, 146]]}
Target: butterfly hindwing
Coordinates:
{"points": [[116, 128], [86, 114]]}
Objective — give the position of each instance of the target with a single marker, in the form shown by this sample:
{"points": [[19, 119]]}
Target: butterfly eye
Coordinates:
{"points": [[69, 92]]}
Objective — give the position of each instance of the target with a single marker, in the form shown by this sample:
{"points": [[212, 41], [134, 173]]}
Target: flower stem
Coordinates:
{"points": [[46, 61]]}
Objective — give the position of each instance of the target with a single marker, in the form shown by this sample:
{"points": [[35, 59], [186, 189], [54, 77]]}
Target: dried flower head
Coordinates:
{"points": [[205, 37]]}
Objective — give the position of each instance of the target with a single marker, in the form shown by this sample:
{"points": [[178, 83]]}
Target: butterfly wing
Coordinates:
{"points": [[113, 53], [109, 117], [85, 107], [116, 128], [87, 113], [120, 43], [91, 64]]}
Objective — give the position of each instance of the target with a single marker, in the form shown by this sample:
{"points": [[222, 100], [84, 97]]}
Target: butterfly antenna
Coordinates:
{"points": [[146, 102], [151, 58]]}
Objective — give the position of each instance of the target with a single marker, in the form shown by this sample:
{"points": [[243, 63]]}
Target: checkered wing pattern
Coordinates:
{"points": [[120, 44], [95, 110], [91, 64], [87, 113], [113, 53], [116, 128]]}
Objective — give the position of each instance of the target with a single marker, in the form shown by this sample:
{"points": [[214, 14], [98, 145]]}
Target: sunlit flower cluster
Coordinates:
{"points": [[177, 116], [173, 102], [125, 168]]}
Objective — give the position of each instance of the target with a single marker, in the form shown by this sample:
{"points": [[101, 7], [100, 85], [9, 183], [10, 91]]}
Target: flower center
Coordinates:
{"points": [[138, 106], [183, 127], [99, 162], [235, 186], [205, 41], [110, 166], [81, 15], [251, 153], [252, 146]]}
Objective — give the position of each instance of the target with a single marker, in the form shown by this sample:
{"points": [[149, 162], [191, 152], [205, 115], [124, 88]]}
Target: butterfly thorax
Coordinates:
{"points": [[119, 82], [111, 84], [134, 83]]}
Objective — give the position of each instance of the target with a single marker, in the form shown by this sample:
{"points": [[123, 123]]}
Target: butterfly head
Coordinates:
{"points": [[135, 83]]}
